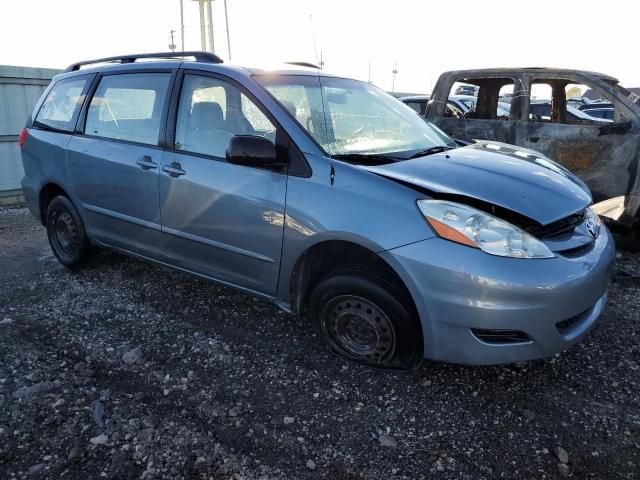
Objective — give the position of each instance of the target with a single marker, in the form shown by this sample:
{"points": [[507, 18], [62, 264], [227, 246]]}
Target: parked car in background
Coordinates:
{"points": [[603, 110], [467, 90], [324, 195], [457, 105], [604, 154], [540, 111]]}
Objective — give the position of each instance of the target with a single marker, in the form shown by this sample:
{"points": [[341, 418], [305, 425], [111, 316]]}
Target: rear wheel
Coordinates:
{"points": [[66, 233], [365, 317]]}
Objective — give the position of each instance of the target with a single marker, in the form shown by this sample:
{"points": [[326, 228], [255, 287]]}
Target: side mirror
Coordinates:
{"points": [[253, 151]]}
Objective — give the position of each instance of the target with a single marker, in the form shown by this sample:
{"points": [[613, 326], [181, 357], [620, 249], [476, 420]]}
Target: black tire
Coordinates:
{"points": [[66, 233], [363, 316]]}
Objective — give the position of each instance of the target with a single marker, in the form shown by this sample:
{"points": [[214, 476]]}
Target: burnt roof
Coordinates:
{"points": [[506, 71]]}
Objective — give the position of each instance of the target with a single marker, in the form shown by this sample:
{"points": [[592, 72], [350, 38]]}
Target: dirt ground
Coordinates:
{"points": [[128, 370]]}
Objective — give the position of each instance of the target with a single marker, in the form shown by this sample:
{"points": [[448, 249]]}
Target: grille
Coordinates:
{"points": [[500, 336], [559, 227]]}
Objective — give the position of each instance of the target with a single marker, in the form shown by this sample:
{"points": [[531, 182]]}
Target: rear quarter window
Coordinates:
{"points": [[61, 108]]}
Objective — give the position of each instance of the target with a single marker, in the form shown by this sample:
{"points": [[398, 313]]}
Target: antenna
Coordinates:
{"points": [[321, 64], [313, 37]]}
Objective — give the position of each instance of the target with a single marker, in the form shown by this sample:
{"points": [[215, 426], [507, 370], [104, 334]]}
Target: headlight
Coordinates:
{"points": [[474, 228], [592, 222]]}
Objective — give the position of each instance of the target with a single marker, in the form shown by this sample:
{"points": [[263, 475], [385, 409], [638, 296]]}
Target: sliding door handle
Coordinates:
{"points": [[175, 169], [146, 163]]}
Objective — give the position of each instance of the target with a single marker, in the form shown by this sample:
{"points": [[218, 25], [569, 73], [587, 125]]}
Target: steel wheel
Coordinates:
{"points": [[66, 232], [359, 329], [66, 235]]}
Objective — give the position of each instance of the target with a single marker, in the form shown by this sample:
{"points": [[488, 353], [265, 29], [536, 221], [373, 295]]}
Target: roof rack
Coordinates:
{"points": [[205, 57], [304, 64]]}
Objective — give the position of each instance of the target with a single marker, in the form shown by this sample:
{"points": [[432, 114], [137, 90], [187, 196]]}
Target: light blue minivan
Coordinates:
{"points": [[326, 196]]}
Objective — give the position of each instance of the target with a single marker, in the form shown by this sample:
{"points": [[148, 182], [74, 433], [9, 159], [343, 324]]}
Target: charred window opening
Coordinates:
{"points": [[565, 101], [480, 98]]}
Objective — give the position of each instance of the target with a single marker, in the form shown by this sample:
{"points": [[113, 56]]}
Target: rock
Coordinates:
{"points": [[35, 469], [387, 440], [37, 389], [289, 420], [100, 439], [311, 465], [6, 321], [234, 412], [561, 454], [97, 408], [564, 469], [2, 430], [528, 414], [133, 357]]}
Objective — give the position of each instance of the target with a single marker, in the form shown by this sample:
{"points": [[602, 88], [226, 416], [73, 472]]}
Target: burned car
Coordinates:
{"points": [[603, 154]]}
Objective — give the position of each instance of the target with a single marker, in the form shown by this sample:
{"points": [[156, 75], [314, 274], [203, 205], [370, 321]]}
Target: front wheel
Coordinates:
{"points": [[366, 318], [66, 233]]}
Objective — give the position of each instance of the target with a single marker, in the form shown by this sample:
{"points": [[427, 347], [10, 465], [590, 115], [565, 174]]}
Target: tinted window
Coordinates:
{"points": [[212, 111], [61, 107], [128, 107]]}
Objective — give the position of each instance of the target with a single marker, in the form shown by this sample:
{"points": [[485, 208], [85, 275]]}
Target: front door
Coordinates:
{"points": [[114, 164], [220, 219], [601, 151]]}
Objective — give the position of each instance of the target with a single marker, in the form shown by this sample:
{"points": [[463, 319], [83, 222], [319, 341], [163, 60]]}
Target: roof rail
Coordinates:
{"points": [[205, 57], [304, 64]]}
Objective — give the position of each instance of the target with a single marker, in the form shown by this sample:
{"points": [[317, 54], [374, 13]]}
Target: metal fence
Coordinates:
{"points": [[20, 88]]}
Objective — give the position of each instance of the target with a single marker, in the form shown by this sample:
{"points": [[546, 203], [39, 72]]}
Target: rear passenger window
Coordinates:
{"points": [[61, 107], [128, 107]]}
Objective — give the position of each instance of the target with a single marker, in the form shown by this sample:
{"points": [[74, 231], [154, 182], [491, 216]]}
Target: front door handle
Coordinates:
{"points": [[175, 169], [146, 162]]}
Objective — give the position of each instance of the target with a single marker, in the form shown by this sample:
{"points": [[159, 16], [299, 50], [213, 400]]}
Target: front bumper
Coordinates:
{"points": [[458, 289]]}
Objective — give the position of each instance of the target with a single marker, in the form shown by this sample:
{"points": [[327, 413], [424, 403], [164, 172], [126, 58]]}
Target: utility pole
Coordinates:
{"points": [[226, 21], [395, 72], [181, 25], [172, 45], [203, 30], [209, 9]]}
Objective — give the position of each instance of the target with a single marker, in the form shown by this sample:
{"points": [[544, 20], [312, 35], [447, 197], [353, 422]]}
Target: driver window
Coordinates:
{"points": [[211, 111], [483, 98]]}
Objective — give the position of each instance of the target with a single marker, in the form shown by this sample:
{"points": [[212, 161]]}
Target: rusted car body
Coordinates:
{"points": [[604, 154]]}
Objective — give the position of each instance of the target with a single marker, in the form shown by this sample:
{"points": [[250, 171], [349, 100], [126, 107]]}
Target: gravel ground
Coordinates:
{"points": [[127, 370]]}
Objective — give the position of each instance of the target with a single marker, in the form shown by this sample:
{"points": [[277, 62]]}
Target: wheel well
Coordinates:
{"points": [[47, 193], [324, 257]]}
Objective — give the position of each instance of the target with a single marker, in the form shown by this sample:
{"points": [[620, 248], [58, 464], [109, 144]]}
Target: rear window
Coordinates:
{"points": [[61, 107], [128, 107]]}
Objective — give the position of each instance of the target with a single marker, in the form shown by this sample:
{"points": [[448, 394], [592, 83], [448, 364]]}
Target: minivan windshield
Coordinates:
{"points": [[351, 119]]}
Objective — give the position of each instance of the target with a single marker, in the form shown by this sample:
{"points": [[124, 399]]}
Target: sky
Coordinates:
{"points": [[357, 38]]}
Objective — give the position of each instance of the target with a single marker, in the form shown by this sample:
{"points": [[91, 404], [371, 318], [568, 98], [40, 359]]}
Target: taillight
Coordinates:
{"points": [[23, 137]]}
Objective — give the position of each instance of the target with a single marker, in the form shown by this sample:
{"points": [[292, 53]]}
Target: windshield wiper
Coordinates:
{"points": [[365, 158], [431, 151]]}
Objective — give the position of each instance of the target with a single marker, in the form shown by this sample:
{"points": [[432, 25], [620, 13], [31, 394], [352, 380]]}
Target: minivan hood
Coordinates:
{"points": [[520, 180]]}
